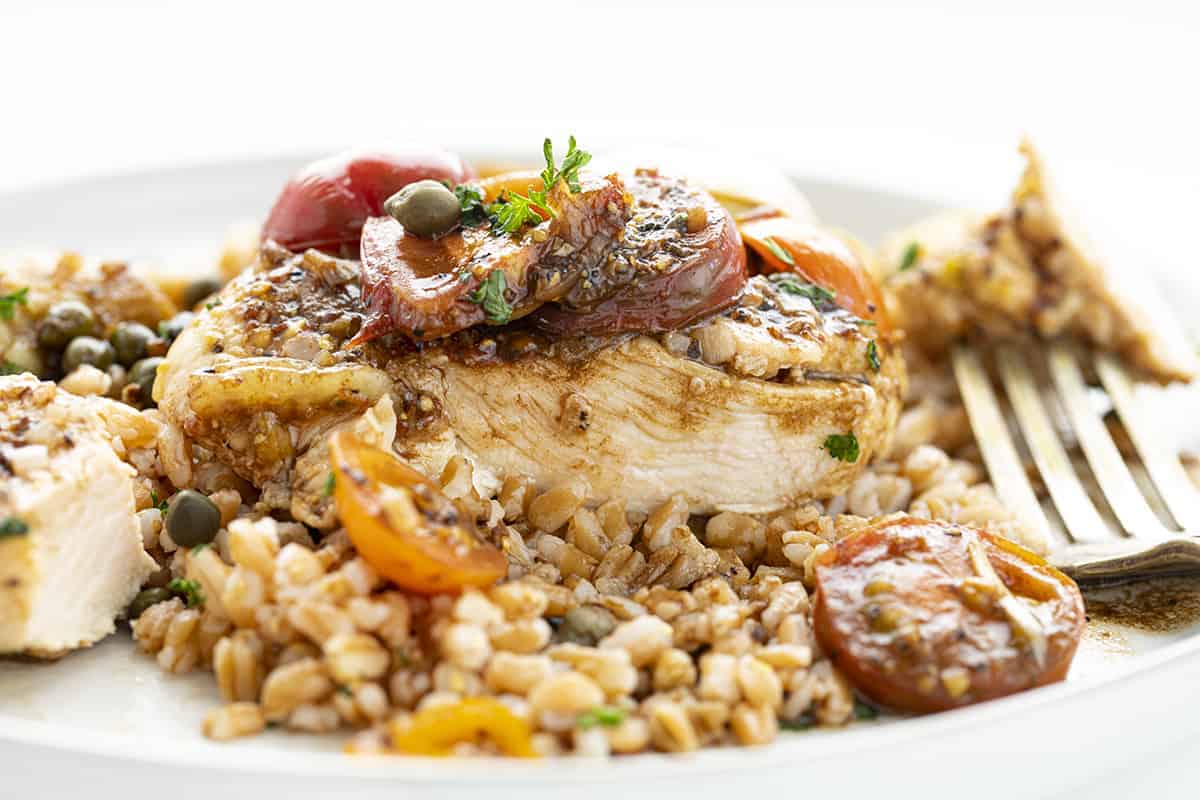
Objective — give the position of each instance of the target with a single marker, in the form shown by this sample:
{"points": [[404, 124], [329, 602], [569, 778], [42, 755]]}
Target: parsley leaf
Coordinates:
{"points": [[778, 251], [608, 716], [573, 161], [330, 483], [189, 591], [803, 722], [12, 526], [864, 710], [911, 254], [490, 296], [791, 284], [514, 211], [470, 203], [842, 446], [10, 301], [873, 355], [213, 304], [161, 505], [9, 368]]}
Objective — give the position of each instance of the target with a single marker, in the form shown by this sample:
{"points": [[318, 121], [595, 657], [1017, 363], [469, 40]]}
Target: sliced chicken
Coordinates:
{"points": [[1026, 270], [735, 412], [71, 556]]}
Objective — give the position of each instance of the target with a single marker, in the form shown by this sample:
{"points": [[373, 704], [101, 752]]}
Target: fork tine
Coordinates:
{"points": [[995, 442], [1162, 463], [1079, 514], [1105, 459]]}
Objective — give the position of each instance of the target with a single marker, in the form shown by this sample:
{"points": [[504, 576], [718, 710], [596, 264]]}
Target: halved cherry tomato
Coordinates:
{"points": [[819, 257], [434, 731], [325, 204], [403, 525], [925, 616]]}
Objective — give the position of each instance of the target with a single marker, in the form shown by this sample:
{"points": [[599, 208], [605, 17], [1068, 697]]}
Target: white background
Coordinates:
{"points": [[929, 96]]}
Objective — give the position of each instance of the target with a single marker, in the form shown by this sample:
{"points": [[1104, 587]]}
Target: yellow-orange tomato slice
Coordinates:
{"points": [[520, 181], [789, 245], [925, 616], [404, 526], [434, 731]]}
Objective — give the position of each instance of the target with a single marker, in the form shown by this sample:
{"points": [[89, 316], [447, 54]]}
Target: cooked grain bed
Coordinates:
{"points": [[688, 633]]}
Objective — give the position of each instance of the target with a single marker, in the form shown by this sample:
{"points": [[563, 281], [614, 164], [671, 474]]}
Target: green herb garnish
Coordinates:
{"points": [[12, 526], [330, 483], [573, 161], [842, 446], [10, 301], [873, 355], [864, 710], [213, 304], [791, 284], [608, 716], [778, 251], [470, 203], [490, 296], [514, 211], [189, 591], [911, 254], [9, 368], [161, 505], [803, 722], [199, 547]]}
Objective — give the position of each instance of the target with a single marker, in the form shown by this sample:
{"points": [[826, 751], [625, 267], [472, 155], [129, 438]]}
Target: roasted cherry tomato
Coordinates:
{"points": [[684, 261], [434, 731], [788, 245], [325, 204], [404, 526], [925, 616]]}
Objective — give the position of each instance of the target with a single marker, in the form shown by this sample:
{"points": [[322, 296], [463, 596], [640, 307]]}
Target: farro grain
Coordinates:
{"points": [[233, 721], [645, 638], [302, 682]]}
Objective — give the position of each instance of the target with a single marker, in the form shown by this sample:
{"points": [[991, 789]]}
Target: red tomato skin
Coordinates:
{"points": [[325, 204]]}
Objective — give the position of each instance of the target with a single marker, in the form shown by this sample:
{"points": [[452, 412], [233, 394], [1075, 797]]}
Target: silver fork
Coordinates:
{"points": [[1129, 542]]}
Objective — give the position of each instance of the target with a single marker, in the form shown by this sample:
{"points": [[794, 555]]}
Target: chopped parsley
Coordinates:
{"points": [[513, 211], [864, 710], [608, 716], [573, 161], [10, 301], [911, 254], [792, 284], [873, 355], [211, 305], [188, 591], [9, 368], [803, 722], [842, 446], [161, 505], [330, 483], [12, 526], [199, 547], [470, 203], [490, 297], [778, 251]]}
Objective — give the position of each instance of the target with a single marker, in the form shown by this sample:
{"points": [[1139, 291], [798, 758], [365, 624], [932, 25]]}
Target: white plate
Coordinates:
{"points": [[108, 721]]}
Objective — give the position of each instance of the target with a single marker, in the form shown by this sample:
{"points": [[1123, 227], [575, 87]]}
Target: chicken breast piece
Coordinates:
{"points": [[1029, 269], [735, 412], [71, 556]]}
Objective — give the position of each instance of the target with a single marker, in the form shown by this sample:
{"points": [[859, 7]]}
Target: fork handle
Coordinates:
{"points": [[1128, 560]]}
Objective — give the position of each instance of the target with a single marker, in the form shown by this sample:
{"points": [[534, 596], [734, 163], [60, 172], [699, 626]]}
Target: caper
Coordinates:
{"points": [[146, 598], [142, 375], [586, 625], [170, 329], [199, 289], [192, 519], [87, 350], [130, 341], [63, 322], [425, 208]]}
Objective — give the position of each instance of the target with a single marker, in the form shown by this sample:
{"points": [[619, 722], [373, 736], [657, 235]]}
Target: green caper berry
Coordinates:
{"points": [[146, 598], [63, 322], [425, 208], [586, 625], [142, 375], [130, 341], [198, 290], [170, 329], [87, 350], [192, 519]]}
